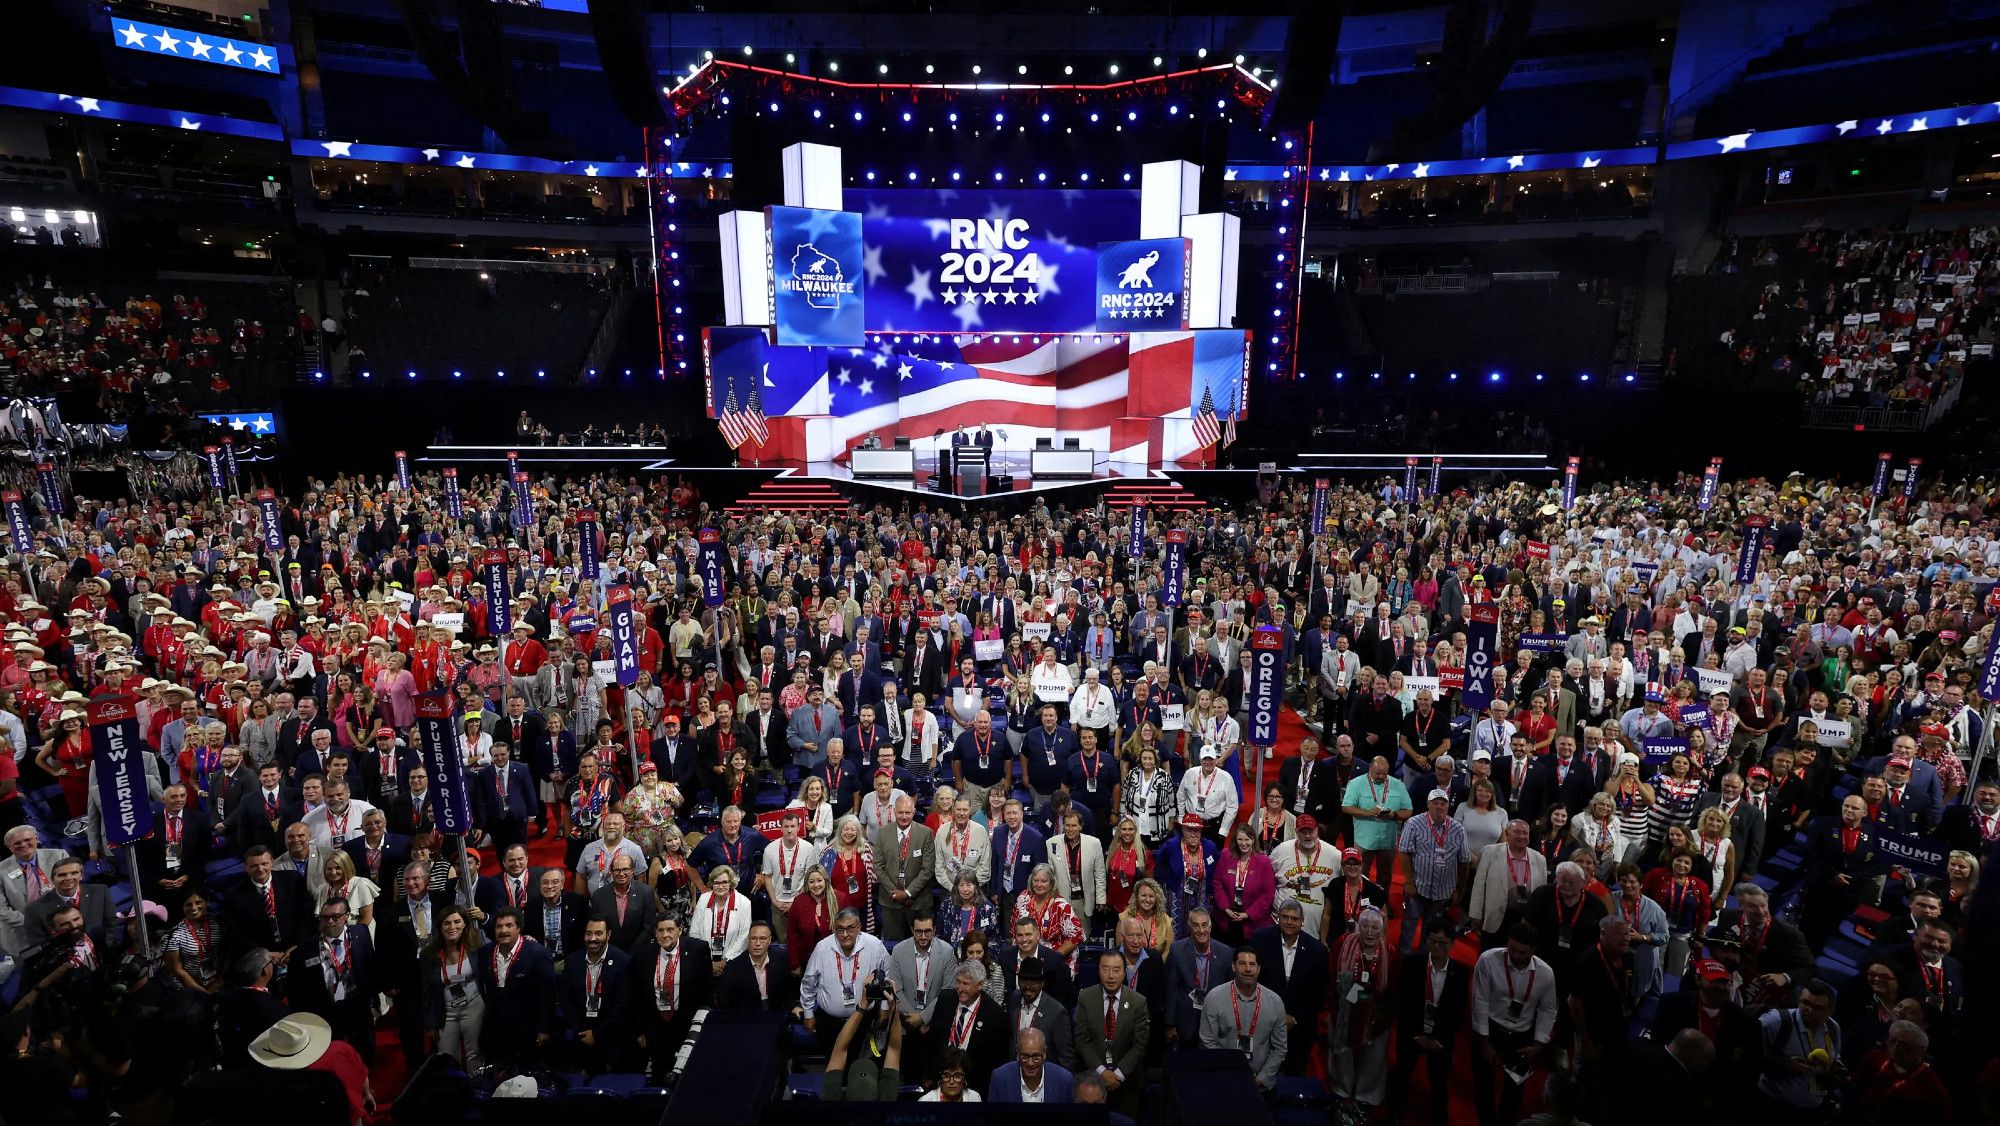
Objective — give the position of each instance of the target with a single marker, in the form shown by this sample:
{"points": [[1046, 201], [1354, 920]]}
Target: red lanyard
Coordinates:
{"points": [[174, 830], [984, 747], [721, 914], [1574, 915], [1236, 1013], [847, 980], [1527, 993], [960, 841], [1439, 833], [1527, 870], [500, 968], [1380, 800], [961, 1029]]}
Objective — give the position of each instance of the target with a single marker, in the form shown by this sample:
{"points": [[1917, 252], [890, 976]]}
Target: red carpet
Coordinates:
{"points": [[389, 1073]]}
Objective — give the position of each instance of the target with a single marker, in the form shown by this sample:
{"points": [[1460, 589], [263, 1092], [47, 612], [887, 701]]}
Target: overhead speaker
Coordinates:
{"points": [[624, 44], [1312, 43]]}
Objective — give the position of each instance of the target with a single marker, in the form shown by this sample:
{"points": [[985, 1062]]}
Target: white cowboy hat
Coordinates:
{"points": [[294, 1043]]}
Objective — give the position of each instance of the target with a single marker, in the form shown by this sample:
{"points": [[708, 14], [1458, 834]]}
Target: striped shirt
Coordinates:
{"points": [[1435, 851]]}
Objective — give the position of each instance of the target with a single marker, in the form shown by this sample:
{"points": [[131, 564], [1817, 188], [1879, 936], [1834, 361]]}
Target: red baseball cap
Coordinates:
{"points": [[1191, 821], [1347, 854], [1712, 971], [1306, 823]]}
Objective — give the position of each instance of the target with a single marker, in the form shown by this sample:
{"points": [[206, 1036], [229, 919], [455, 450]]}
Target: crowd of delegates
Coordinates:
{"points": [[961, 796], [1889, 317], [138, 352]]}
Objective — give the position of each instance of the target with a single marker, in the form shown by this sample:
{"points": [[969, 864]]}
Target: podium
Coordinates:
{"points": [[970, 466]]}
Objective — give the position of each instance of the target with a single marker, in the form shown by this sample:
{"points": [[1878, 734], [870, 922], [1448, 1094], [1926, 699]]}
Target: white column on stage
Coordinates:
{"points": [[746, 269], [1213, 242], [1168, 190], [812, 176]]}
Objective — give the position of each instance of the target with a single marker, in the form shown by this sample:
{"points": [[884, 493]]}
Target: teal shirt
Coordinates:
{"points": [[1371, 835]]}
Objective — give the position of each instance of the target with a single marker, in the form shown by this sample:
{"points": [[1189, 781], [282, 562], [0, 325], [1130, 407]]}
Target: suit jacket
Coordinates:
{"points": [[679, 760], [697, 981], [1091, 894], [532, 748], [97, 920], [250, 926], [492, 893], [575, 911], [987, 1043], [520, 804], [308, 990], [769, 747], [642, 910], [526, 1005], [1058, 1085], [1449, 1011], [1305, 989], [1051, 1018], [913, 872], [737, 987], [1184, 995], [16, 937], [197, 843], [1126, 1051], [1057, 981], [409, 816], [614, 993], [395, 853], [937, 978], [397, 945], [1322, 795]]}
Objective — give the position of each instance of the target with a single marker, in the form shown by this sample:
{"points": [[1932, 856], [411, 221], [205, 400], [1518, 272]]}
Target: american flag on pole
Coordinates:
{"points": [[753, 417], [735, 429], [1207, 428]]}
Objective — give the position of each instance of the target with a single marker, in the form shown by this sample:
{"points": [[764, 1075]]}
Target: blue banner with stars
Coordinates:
{"points": [[254, 423], [816, 294], [196, 46], [991, 260]]}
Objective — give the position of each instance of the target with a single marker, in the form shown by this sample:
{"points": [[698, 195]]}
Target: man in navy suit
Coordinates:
{"points": [[1017, 848], [674, 755], [514, 887], [1294, 965], [866, 736], [335, 978], [1031, 1072], [507, 799], [594, 1000], [377, 853], [517, 979], [557, 917]]}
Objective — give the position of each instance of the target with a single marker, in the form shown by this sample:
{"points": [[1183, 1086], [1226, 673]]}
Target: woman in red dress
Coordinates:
{"points": [[810, 917], [851, 868], [66, 756], [1125, 865]]}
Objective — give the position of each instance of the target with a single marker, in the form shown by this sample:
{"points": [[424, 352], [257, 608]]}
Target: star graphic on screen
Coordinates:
{"points": [[919, 288], [947, 366], [1045, 280], [187, 124], [167, 42], [842, 376], [1961, 121], [950, 296], [88, 105], [867, 387], [465, 161], [1848, 126], [1920, 124], [905, 372], [260, 425], [876, 211], [938, 227], [1734, 142], [1030, 296], [1591, 162], [992, 296], [1515, 160], [199, 47], [230, 53], [262, 58], [133, 36], [1345, 175], [339, 148], [430, 154], [1055, 240], [1421, 171], [968, 316], [871, 263], [1009, 295], [998, 214], [879, 359], [1887, 124], [590, 169]]}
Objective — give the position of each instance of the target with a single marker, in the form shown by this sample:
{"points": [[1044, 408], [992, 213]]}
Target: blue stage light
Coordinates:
{"points": [[500, 375], [1631, 378], [871, 175], [954, 175], [411, 374], [1492, 377], [1173, 109], [1377, 375], [1339, 375], [999, 176], [1413, 375], [953, 116], [319, 375], [1093, 117], [1453, 376], [1045, 117], [999, 118], [857, 115], [774, 107], [1132, 115], [367, 375], [457, 374], [1084, 177], [1041, 176], [912, 177], [628, 373], [1584, 378], [1538, 377], [815, 113], [906, 115], [541, 375]]}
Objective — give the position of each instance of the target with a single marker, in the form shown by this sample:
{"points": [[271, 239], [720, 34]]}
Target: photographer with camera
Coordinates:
{"points": [[873, 1070]]}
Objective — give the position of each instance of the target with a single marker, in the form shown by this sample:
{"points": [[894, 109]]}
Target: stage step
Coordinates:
{"points": [[1156, 492], [786, 495]]}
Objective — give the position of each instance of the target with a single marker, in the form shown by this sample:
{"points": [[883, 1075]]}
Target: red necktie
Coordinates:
{"points": [[1110, 1020], [271, 899]]}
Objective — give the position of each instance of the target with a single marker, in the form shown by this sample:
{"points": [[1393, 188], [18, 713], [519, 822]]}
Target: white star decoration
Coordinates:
{"points": [[262, 58], [871, 263], [590, 169], [968, 315], [1421, 171], [1345, 176], [1591, 162], [879, 359], [843, 377], [919, 288], [1009, 296], [1887, 124], [1848, 126], [230, 53], [1734, 142], [1516, 160], [867, 387], [260, 426], [167, 42], [1920, 124], [199, 47], [904, 371], [339, 148], [950, 296], [430, 154], [133, 36], [88, 105], [1029, 296], [187, 124], [465, 161]]}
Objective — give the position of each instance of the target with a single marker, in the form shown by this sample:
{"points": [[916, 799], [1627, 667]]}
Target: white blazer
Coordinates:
{"points": [[736, 939], [1091, 894]]}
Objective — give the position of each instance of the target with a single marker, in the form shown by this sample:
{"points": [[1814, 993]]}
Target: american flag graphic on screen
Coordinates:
{"points": [[1207, 430]]}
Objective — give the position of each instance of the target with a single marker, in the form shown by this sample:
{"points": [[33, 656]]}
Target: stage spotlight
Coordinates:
{"points": [[1492, 377], [1220, 104], [881, 68], [1239, 60], [1339, 375], [834, 66], [320, 375], [410, 374], [1201, 52], [1174, 109], [1093, 117], [1041, 176], [998, 118], [1631, 378], [1114, 70], [954, 176], [929, 69], [499, 375], [1377, 375], [906, 116], [1084, 177], [1128, 177], [1453, 376], [953, 117], [790, 58], [541, 375], [1584, 378], [1069, 70], [456, 374], [871, 175], [706, 55], [1045, 117], [1132, 115], [1022, 69], [774, 107], [999, 177], [1538, 377], [815, 113], [1413, 375], [746, 48], [857, 115], [1157, 60], [912, 177], [975, 68]]}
